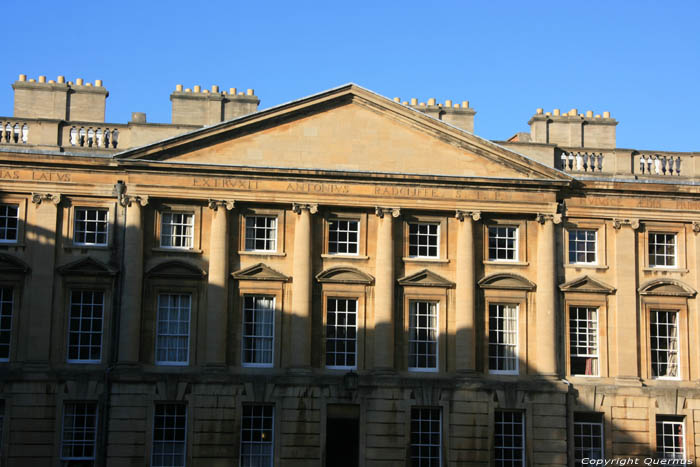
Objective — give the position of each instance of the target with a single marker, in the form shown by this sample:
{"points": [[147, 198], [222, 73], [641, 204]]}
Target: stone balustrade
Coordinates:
{"points": [[581, 162], [14, 132]]}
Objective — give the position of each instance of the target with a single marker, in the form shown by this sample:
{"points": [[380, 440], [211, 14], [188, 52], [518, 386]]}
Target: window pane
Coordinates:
{"points": [[503, 243], [258, 330], [261, 233], [79, 431], [426, 437], [503, 338], [169, 435], [257, 436], [85, 326], [423, 240], [423, 335], [173, 329], [583, 339], [9, 222], [341, 319]]}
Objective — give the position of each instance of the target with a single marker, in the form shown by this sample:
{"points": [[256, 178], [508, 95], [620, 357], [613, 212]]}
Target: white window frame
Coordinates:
{"points": [[247, 421], [186, 221], [6, 319], [180, 424], [515, 238], [588, 430], [81, 309], [515, 357], [346, 327], [652, 243], [654, 325], [347, 233], [575, 242], [511, 447], [587, 336], [176, 335], [258, 338], [421, 440], [414, 239], [5, 218], [264, 229], [88, 432], [415, 338], [675, 450], [84, 223]]}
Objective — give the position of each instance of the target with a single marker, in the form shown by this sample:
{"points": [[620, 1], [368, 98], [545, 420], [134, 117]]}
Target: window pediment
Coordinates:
{"points": [[587, 284], [12, 265], [506, 281], [667, 287], [425, 278], [86, 267], [259, 272], [176, 269], [344, 275]]}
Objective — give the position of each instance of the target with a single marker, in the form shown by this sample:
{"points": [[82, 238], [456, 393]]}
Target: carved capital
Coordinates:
{"points": [[311, 207], [461, 215], [618, 223], [214, 204], [38, 198], [380, 211], [696, 226], [126, 200], [542, 218]]}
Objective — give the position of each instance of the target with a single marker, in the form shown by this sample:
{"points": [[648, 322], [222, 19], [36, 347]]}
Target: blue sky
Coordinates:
{"points": [[638, 60]]}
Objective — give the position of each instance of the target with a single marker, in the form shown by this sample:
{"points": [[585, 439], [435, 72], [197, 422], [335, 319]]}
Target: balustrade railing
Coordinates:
{"points": [[14, 133], [656, 164], [581, 162], [94, 137]]}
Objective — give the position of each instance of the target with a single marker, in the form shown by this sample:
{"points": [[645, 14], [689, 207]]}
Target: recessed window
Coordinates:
{"points": [[261, 233], [343, 237], [85, 326], [258, 330], [426, 437], [670, 437], [583, 340], [173, 329], [582, 246], [79, 433], [257, 435], [9, 223], [169, 435], [177, 230], [664, 344], [341, 333], [509, 439], [662, 250], [423, 336], [503, 243], [423, 240], [6, 304], [91, 226], [503, 338], [588, 437]]}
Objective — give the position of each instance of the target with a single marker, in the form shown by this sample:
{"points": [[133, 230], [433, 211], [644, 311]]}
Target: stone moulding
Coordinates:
{"points": [[667, 287], [425, 278], [587, 284], [12, 265], [176, 269], [87, 267], [259, 272], [506, 281], [344, 275]]}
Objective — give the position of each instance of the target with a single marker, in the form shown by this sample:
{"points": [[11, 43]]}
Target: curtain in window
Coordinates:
{"points": [[592, 333], [672, 354], [510, 337]]}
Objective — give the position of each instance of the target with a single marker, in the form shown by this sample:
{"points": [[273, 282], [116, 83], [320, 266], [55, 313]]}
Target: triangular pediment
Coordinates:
{"points": [[667, 288], [176, 269], [259, 272], [587, 285], [346, 129], [344, 275], [425, 278], [11, 265], [506, 281], [86, 267]]}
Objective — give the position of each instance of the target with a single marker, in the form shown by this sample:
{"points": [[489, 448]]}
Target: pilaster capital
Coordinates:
{"points": [[555, 218], [380, 211], [461, 215], [214, 204], [311, 207], [618, 223], [696, 226], [38, 198], [126, 200]]}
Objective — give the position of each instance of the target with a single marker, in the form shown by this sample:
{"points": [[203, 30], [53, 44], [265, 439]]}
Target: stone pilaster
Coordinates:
{"points": [[302, 287], [217, 286], [546, 296], [465, 292], [130, 313], [625, 318], [384, 290]]}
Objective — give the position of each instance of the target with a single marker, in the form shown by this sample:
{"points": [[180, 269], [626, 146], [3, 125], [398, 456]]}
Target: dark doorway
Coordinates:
{"points": [[343, 436]]}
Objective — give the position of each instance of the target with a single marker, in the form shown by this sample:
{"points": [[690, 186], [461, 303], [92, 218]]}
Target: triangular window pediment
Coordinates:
{"points": [[667, 288], [86, 267], [11, 265], [587, 284], [506, 281], [425, 278], [344, 275], [259, 272], [176, 269]]}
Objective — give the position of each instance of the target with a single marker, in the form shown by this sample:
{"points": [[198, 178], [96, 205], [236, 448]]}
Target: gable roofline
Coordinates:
{"points": [[475, 142]]}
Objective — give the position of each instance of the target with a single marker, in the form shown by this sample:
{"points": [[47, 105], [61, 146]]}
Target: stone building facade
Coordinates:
{"points": [[339, 280]]}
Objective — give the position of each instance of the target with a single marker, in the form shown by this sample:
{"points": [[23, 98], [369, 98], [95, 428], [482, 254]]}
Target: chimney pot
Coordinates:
{"points": [[23, 77], [215, 88], [61, 79], [249, 92], [431, 101], [414, 101], [465, 104], [557, 112], [448, 102], [606, 114], [42, 79], [197, 88], [98, 83], [178, 87], [539, 111], [79, 82]]}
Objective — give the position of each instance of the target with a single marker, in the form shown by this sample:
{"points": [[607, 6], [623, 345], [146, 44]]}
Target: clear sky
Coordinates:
{"points": [[639, 60]]}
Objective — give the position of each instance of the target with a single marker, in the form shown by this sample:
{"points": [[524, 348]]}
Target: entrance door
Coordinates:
{"points": [[343, 436]]}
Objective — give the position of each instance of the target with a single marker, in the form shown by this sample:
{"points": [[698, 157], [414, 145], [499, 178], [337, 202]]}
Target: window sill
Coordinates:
{"points": [[677, 270], [189, 251], [344, 257], [506, 263], [260, 253], [70, 248], [410, 259], [599, 267]]}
